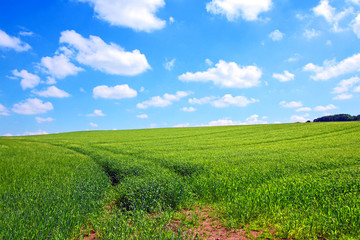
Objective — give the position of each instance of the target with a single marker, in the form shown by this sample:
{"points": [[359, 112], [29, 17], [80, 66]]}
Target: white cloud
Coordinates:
{"points": [[59, 66], [297, 118], [3, 110], [346, 84], [28, 80], [228, 100], [276, 35], [292, 104], [333, 69], [356, 25], [96, 113], [117, 92], [8, 135], [169, 65], [42, 120], [304, 109], [32, 106], [38, 132], [171, 19], [165, 100], [344, 96], [138, 15], [228, 75], [94, 125], [225, 101], [325, 10], [108, 58], [14, 43], [252, 120], [52, 91], [309, 34], [188, 109], [209, 62], [182, 125], [248, 10], [325, 108], [357, 2], [50, 80], [285, 77], [357, 89], [142, 116], [26, 33]]}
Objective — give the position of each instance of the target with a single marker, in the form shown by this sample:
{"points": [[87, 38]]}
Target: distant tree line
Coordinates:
{"points": [[338, 118]]}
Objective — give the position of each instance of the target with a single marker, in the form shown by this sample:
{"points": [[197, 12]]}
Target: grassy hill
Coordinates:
{"points": [[299, 181]]}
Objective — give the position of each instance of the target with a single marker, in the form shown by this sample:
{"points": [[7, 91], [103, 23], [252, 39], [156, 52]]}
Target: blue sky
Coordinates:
{"points": [[74, 65]]}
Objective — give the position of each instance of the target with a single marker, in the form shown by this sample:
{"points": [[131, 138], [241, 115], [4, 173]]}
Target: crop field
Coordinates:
{"points": [[286, 181]]}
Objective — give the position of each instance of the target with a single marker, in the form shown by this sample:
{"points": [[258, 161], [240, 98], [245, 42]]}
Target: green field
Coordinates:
{"points": [[293, 181]]}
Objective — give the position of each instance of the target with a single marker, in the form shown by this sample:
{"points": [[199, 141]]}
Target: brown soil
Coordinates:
{"points": [[209, 227], [90, 236]]}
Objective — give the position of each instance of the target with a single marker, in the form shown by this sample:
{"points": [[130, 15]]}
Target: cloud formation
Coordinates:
{"points": [[32, 106], [59, 66], [96, 113], [28, 80], [43, 120], [276, 35], [138, 15], [4, 111], [116, 92], [248, 10], [52, 92], [332, 69], [227, 74], [108, 58], [9, 42], [292, 104], [325, 108], [226, 101], [284, 77], [164, 101]]}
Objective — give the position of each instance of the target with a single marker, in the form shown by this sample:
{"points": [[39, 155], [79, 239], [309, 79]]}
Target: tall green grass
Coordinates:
{"points": [[300, 180]]}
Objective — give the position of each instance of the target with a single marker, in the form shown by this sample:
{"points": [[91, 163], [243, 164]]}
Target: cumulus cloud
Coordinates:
{"points": [[164, 101], [188, 109], [297, 118], [311, 33], [3, 110], [38, 132], [357, 89], [304, 109], [229, 75], [292, 104], [284, 77], [324, 9], [356, 25], [346, 85], [108, 58], [276, 35], [138, 15], [182, 125], [94, 125], [43, 120], [344, 96], [325, 108], [142, 116], [117, 92], [332, 69], [96, 113], [9, 42], [248, 10], [169, 65], [209, 62], [252, 120], [59, 66], [225, 101], [52, 92], [28, 80], [32, 106]]}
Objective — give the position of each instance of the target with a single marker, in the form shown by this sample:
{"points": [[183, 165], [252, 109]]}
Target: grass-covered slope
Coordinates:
{"points": [[299, 180]]}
